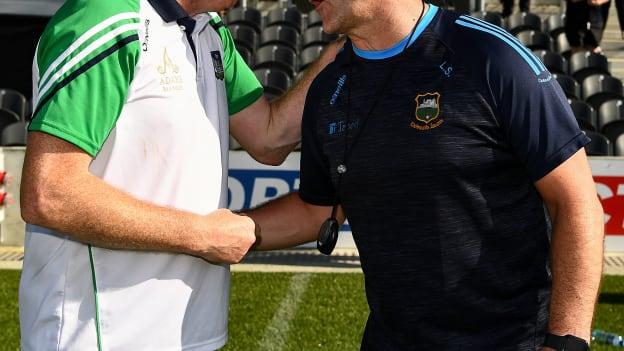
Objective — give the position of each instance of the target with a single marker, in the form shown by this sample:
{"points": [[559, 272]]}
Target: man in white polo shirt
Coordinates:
{"points": [[125, 176]]}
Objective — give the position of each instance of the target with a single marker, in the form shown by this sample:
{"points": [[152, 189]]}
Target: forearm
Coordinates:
{"points": [[91, 211], [287, 222], [576, 260], [283, 126]]}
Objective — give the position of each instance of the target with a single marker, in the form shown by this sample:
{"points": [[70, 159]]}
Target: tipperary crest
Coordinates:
{"points": [[218, 64], [427, 111]]}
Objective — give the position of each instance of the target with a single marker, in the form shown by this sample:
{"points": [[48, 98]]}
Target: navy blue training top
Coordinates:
{"points": [[439, 192]]}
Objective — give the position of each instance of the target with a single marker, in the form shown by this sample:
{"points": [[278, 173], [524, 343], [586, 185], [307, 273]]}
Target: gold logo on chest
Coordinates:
{"points": [[170, 77]]}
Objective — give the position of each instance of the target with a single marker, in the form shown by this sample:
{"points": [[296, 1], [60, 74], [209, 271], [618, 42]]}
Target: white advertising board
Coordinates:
{"points": [[251, 183]]}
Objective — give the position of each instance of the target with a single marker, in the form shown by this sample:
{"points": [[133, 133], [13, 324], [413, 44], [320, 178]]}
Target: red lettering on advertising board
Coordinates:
{"points": [[611, 193]]}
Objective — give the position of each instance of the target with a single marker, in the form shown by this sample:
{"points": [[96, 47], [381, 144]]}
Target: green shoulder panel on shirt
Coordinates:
{"points": [[86, 59], [242, 86]]}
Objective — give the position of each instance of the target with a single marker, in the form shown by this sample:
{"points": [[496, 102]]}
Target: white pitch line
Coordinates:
{"points": [[276, 333]]}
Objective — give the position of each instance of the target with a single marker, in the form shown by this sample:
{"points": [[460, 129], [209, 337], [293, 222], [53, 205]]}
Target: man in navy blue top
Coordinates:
{"points": [[455, 156]]}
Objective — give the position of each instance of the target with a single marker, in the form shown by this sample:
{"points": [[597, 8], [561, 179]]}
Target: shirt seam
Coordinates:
{"points": [[67, 135]]}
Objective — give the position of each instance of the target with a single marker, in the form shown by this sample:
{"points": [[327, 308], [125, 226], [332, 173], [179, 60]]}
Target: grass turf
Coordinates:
{"points": [[330, 315]]}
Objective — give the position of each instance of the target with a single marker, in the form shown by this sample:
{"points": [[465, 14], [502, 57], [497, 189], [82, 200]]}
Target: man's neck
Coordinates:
{"points": [[387, 25]]}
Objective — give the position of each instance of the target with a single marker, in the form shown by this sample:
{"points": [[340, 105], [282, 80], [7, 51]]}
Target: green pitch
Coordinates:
{"points": [[293, 312]]}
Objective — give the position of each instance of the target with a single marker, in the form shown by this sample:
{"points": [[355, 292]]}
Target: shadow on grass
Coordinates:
{"points": [[612, 298]]}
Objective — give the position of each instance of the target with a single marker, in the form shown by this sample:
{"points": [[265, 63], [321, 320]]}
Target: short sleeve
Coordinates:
{"points": [[316, 185], [241, 85], [532, 110], [83, 69]]}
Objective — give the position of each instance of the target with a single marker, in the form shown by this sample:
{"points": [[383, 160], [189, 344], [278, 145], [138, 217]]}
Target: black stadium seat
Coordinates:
{"points": [[611, 119], [280, 35], [553, 61], [494, 18], [313, 20], [277, 56], [523, 21], [599, 145], [245, 15], [554, 24], [584, 64], [14, 134], [13, 101], [585, 114], [534, 40], [244, 35], [7, 117], [561, 45], [274, 81], [316, 36], [308, 55], [289, 16], [570, 87], [619, 146], [599, 88]]}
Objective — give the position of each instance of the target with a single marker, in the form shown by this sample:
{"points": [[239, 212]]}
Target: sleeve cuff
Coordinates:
{"points": [[316, 200], [244, 101], [66, 135], [560, 156]]}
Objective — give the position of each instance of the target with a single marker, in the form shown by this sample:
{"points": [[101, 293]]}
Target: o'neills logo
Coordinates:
{"points": [[427, 112], [170, 78]]}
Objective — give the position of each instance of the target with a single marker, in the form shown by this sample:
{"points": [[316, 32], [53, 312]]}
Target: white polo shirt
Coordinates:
{"points": [[124, 81]]}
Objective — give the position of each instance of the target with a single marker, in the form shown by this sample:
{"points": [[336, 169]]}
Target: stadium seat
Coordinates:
{"points": [[562, 46], [553, 61], [316, 36], [280, 35], [494, 18], [518, 22], [599, 88], [585, 114], [7, 117], [314, 20], [245, 15], [14, 134], [534, 40], [245, 54], [584, 64], [274, 81], [244, 35], [289, 16], [611, 118], [618, 149], [570, 87], [554, 24], [13, 101], [277, 56], [599, 145], [308, 55]]}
